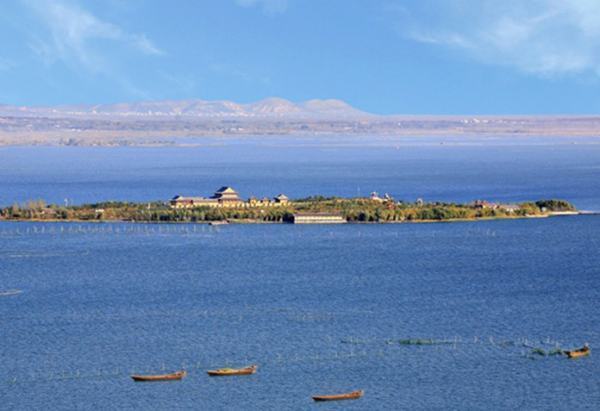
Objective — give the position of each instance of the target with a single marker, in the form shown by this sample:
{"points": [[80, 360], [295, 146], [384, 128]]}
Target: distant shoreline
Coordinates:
{"points": [[162, 125], [337, 139]]}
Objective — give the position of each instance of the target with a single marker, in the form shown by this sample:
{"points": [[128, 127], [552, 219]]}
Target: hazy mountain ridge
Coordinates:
{"points": [[268, 108], [164, 122]]}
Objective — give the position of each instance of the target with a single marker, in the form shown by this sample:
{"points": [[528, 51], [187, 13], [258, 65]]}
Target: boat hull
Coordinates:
{"points": [[225, 372], [8, 293], [176, 376], [354, 395], [582, 352]]}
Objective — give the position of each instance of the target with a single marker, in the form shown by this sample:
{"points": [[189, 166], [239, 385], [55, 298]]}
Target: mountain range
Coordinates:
{"points": [[166, 122], [268, 108]]}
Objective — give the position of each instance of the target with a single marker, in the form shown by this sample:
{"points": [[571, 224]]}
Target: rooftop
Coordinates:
{"points": [[226, 190]]}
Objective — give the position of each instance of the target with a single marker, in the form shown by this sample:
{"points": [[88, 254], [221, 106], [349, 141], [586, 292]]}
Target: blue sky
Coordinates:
{"points": [[382, 56]]}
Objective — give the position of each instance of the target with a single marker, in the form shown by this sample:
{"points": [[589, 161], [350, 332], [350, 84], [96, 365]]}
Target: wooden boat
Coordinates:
{"points": [[221, 372], [9, 293], [161, 377], [581, 352], [354, 395]]}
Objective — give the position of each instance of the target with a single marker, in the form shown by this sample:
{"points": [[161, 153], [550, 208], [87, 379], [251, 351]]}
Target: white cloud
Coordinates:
{"points": [[142, 43], [71, 31], [543, 37], [268, 6]]}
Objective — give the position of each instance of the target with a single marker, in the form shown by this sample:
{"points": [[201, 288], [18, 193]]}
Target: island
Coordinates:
{"points": [[225, 206]]}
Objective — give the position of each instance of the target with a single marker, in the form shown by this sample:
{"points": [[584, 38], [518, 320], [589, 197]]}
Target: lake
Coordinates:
{"points": [[420, 316], [433, 169]]}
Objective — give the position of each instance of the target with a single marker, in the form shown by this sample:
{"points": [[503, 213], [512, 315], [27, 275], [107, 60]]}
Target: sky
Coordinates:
{"points": [[381, 56]]}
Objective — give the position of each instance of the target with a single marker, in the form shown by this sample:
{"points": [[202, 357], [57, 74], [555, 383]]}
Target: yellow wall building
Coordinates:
{"points": [[227, 197]]}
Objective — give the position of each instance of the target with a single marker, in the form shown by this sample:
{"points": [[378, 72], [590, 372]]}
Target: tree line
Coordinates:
{"points": [[354, 210]]}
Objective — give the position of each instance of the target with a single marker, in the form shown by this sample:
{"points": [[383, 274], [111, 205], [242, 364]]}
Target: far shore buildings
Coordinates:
{"points": [[226, 197], [483, 204], [386, 198]]}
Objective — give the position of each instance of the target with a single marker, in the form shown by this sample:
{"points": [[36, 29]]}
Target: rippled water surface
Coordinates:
{"points": [[497, 171], [420, 316], [321, 309]]}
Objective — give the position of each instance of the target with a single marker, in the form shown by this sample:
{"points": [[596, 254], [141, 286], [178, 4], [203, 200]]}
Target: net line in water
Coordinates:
{"points": [[385, 350]]}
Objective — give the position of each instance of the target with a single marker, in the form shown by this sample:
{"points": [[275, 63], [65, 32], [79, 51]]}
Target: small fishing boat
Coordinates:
{"points": [[581, 352], [7, 293], [161, 377], [221, 372], [354, 395]]}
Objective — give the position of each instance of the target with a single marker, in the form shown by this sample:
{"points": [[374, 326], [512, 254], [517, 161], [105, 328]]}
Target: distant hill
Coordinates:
{"points": [[166, 122], [267, 108]]}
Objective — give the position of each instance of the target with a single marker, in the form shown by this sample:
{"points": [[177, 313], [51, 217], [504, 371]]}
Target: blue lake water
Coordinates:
{"points": [[320, 309], [436, 172]]}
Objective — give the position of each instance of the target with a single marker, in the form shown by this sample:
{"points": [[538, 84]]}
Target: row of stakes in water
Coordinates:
{"points": [[143, 229]]}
